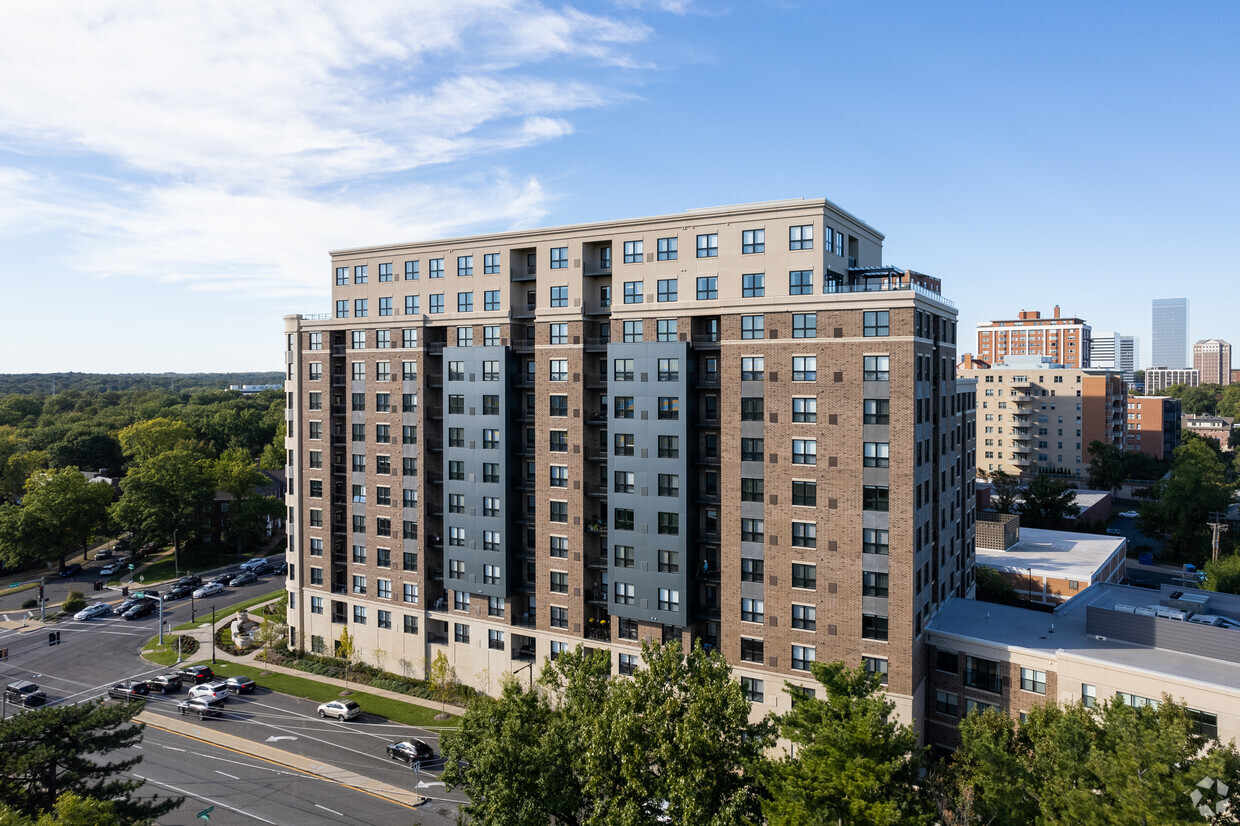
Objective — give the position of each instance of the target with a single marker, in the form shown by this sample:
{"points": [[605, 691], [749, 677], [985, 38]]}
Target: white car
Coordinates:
{"points": [[109, 569], [92, 611], [340, 709], [209, 589], [214, 690], [1130, 514]]}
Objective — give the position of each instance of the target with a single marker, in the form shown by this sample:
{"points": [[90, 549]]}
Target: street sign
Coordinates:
{"points": [[131, 566], [205, 814]]}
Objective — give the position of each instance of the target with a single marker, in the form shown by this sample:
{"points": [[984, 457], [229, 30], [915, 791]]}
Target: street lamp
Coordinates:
{"points": [[212, 635], [530, 666]]}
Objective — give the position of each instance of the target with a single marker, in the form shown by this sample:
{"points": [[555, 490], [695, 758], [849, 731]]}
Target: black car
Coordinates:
{"points": [[71, 570], [128, 691], [411, 751], [244, 578], [279, 567], [225, 578], [139, 610], [198, 674], [241, 685], [24, 693], [164, 683], [128, 603], [190, 579], [179, 591], [202, 706]]}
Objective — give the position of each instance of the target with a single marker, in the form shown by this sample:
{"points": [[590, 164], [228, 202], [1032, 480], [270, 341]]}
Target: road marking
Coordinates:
{"points": [[333, 811], [278, 737], [226, 774], [205, 799], [172, 748], [423, 784]]}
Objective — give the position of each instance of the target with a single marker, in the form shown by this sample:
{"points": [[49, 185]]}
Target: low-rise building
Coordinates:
{"points": [[1044, 566], [1111, 640], [1217, 428], [1153, 425], [1160, 378]]}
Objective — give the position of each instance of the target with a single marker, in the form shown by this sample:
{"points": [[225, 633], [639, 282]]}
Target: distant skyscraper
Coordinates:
{"points": [[1169, 347], [1212, 358], [1114, 351]]}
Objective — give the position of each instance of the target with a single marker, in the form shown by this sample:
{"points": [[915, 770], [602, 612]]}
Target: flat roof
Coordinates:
{"points": [[1058, 554], [1088, 498], [1062, 633]]}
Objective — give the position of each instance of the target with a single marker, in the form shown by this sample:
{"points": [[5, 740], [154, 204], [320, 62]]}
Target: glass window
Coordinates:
{"points": [[753, 240], [667, 249], [804, 576], [804, 617], [632, 252], [633, 292], [667, 289], [753, 326], [666, 329], [412, 270], [804, 368], [877, 368], [753, 285], [707, 287], [876, 411], [876, 323], [801, 237], [804, 451], [490, 263], [752, 610], [708, 245], [464, 265], [559, 258], [490, 300], [753, 368], [877, 454], [873, 584], [804, 535], [801, 282], [436, 268], [805, 493], [874, 541], [559, 296], [874, 498]]}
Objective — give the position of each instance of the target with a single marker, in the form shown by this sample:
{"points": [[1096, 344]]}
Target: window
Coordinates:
{"points": [[436, 303], [751, 650], [490, 300], [876, 323], [707, 287], [490, 540], [752, 530], [708, 245], [1205, 723], [801, 237], [753, 326], [632, 252], [804, 535], [359, 584], [316, 576], [804, 451], [460, 631], [559, 476], [359, 274], [624, 444], [385, 308], [342, 308], [360, 307], [802, 656], [669, 484], [667, 249], [948, 661], [669, 447], [559, 258], [800, 282], [410, 624], [490, 405], [436, 268], [751, 610], [490, 473], [669, 524], [666, 329], [412, 270], [877, 368], [559, 617], [490, 336], [559, 582], [874, 541], [753, 285], [805, 368], [804, 576], [624, 556], [559, 296], [559, 440], [465, 302], [622, 370], [669, 562], [559, 333], [316, 605], [669, 369], [559, 369], [1031, 680], [384, 589], [669, 408], [752, 408], [874, 498], [877, 454], [495, 639], [490, 263], [342, 276], [804, 617], [464, 265], [873, 627], [669, 600], [629, 664], [625, 481], [873, 584], [623, 519], [752, 450], [456, 537], [804, 410], [625, 593], [752, 689], [559, 512], [632, 292], [604, 258], [456, 569], [876, 411], [753, 240], [495, 608], [668, 290], [753, 368], [945, 702], [805, 494], [559, 547], [983, 674]]}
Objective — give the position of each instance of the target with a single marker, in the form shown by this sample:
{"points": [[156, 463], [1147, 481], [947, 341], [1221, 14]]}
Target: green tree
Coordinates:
{"points": [[86, 446], [236, 474], [992, 587], [1182, 503], [74, 601], [1047, 501], [1004, 490], [1071, 764], [1223, 574], [164, 497], [852, 760], [274, 452], [145, 440], [1229, 402], [442, 676], [49, 751], [71, 810], [1202, 400], [59, 514], [18, 469], [1106, 466]]}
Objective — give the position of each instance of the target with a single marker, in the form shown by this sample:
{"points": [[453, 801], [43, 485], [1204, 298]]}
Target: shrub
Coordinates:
{"points": [[30, 603], [75, 602]]}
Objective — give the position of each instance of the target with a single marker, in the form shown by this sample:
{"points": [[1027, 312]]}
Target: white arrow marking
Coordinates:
{"points": [[274, 738], [422, 784]]}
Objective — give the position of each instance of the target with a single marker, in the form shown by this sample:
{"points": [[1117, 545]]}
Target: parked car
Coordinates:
{"points": [[241, 685], [24, 693], [411, 751], [132, 690], [140, 609], [207, 590], [244, 578], [1115, 532], [99, 609], [190, 579], [164, 683], [1130, 514], [278, 566], [216, 689], [178, 591], [197, 673], [224, 578], [71, 570], [109, 569], [106, 553], [340, 709], [202, 706], [258, 564]]}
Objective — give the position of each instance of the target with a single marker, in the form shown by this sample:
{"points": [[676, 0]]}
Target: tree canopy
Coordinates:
{"points": [[1182, 503], [1046, 501], [1004, 490], [165, 495], [59, 513]]}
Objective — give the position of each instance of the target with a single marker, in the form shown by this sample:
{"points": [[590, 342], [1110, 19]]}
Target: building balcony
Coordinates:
{"points": [[524, 273]]}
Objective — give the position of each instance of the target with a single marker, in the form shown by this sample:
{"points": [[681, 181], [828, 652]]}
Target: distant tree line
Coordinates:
{"points": [[42, 384], [1206, 399]]}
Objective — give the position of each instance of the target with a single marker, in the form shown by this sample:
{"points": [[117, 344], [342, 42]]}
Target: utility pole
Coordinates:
{"points": [[161, 622], [42, 602], [1217, 527], [212, 635]]}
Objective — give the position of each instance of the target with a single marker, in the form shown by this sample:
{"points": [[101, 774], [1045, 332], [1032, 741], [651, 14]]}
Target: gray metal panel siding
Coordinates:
{"points": [[1159, 632]]}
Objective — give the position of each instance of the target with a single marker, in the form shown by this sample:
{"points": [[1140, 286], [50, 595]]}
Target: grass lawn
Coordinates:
{"points": [[162, 654], [397, 711], [204, 615], [196, 559]]}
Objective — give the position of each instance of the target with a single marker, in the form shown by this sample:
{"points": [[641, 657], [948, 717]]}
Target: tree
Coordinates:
{"points": [[235, 473], [270, 632], [1047, 501], [274, 452], [86, 446], [1223, 574], [1195, 488], [52, 750], [71, 810], [165, 496], [145, 440], [442, 676], [852, 761], [17, 470], [1106, 466], [1201, 400], [59, 514], [992, 587], [1072, 764], [344, 650], [1004, 489]]}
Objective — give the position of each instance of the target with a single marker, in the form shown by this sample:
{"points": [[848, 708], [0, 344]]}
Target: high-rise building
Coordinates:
{"points": [[1153, 425], [1114, 351], [1035, 416], [735, 426], [1064, 340], [1212, 361], [1169, 344]]}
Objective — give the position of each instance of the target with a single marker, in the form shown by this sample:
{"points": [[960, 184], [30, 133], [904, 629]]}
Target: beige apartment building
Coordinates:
{"points": [[1035, 416], [1212, 361], [1158, 379], [733, 426], [1062, 339]]}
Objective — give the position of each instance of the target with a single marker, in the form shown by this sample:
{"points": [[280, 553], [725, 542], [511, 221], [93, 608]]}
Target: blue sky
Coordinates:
{"points": [[173, 175]]}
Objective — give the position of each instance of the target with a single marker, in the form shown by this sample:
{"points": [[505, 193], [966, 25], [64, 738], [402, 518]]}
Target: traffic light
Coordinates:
{"points": [[4, 653], [40, 590]]}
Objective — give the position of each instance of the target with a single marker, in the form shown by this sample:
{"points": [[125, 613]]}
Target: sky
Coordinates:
{"points": [[173, 175]]}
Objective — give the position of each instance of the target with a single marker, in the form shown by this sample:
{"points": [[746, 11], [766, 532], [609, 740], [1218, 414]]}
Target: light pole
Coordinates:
{"points": [[530, 666], [176, 556], [1031, 585], [212, 635]]}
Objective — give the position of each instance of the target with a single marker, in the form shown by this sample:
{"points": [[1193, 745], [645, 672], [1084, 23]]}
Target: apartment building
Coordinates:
{"points": [[1153, 425], [734, 425], [1216, 428], [1212, 361], [1114, 351], [1035, 416], [1160, 378], [1063, 340]]}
